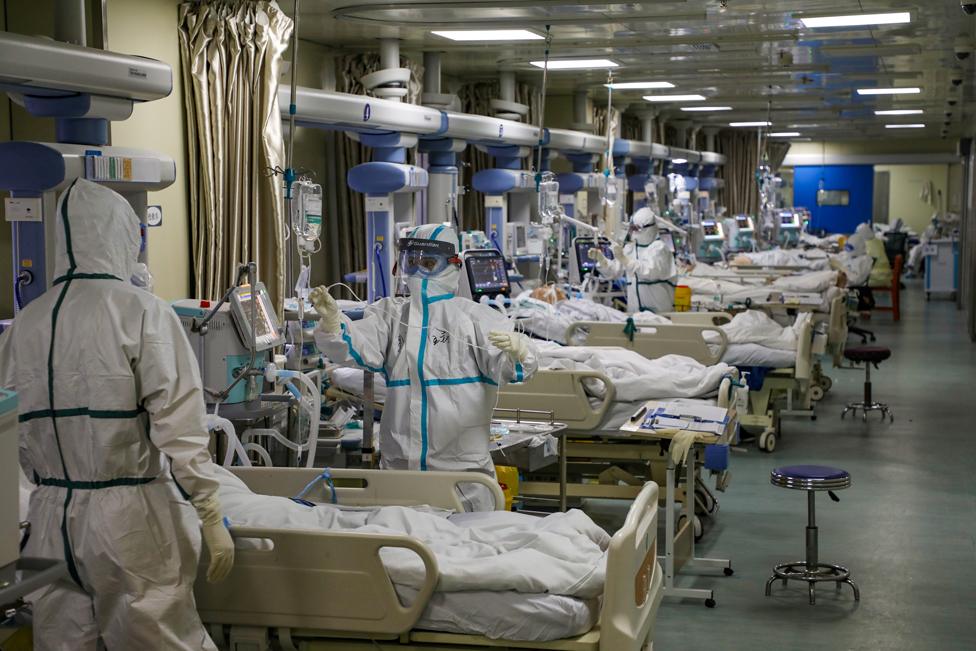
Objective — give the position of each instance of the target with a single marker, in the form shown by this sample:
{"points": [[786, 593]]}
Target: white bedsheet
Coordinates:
{"points": [[757, 355], [550, 321], [785, 258], [757, 327], [635, 377], [561, 554]]}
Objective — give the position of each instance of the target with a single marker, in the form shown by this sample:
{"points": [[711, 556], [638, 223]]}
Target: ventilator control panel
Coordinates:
{"points": [[252, 311]]}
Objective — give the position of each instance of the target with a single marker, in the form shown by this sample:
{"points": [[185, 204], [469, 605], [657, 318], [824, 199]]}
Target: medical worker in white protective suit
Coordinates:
{"points": [[443, 359], [646, 261], [112, 434]]}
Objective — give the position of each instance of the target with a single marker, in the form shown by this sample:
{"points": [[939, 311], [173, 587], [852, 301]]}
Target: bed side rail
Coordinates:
{"points": [[361, 487], [634, 585], [654, 341], [562, 393], [699, 318], [803, 368], [326, 580]]}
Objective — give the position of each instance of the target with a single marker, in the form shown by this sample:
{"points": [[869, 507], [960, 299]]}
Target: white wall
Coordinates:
{"points": [[904, 199], [149, 28]]}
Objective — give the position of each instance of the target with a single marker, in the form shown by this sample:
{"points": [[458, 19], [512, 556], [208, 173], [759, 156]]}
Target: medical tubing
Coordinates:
{"points": [[215, 423], [315, 411], [379, 265], [326, 476], [261, 452]]}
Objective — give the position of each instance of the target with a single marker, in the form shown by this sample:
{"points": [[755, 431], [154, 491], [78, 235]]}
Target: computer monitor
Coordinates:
{"points": [[583, 246], [486, 274]]}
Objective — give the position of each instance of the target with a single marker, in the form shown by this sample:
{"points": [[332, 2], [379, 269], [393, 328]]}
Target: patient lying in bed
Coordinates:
{"points": [[502, 574]]}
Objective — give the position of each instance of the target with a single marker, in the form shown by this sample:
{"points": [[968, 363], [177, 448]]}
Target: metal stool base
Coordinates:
{"points": [[798, 571], [866, 407]]}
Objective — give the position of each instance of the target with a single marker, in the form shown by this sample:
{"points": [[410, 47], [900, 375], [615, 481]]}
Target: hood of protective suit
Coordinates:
{"points": [[858, 241], [445, 282], [646, 221], [98, 232]]}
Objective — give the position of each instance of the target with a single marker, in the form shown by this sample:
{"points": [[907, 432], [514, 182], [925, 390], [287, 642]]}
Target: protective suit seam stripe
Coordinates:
{"points": [[94, 485], [437, 231], [442, 297], [420, 376], [73, 276], [459, 380], [356, 356], [519, 372], [398, 383], [81, 411], [69, 249]]}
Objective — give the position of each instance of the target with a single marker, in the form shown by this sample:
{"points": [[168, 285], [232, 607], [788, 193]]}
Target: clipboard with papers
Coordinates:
{"points": [[664, 419]]}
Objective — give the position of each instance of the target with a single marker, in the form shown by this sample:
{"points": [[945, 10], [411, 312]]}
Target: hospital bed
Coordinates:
{"points": [[329, 590], [708, 345]]}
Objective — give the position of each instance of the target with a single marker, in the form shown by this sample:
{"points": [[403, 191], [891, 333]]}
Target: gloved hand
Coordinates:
{"points": [[217, 539], [328, 309], [596, 254], [512, 343], [620, 256]]}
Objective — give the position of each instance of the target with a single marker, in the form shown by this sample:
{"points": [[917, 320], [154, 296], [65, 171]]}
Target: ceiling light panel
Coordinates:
{"points": [[489, 35], [576, 64], [629, 85], [904, 126], [674, 98], [857, 20], [750, 124], [784, 134], [704, 109], [900, 112], [889, 91]]}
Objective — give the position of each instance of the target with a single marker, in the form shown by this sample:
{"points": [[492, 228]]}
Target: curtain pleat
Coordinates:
{"points": [[741, 149], [231, 53]]}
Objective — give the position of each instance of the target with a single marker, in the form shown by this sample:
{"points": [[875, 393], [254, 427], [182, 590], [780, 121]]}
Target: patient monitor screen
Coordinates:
{"points": [[487, 275], [710, 229], [583, 246], [743, 222], [788, 219]]}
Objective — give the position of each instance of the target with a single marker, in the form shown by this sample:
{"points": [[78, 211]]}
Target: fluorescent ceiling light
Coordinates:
{"points": [[904, 126], [489, 35], [889, 91], [750, 124], [576, 64], [858, 20], [706, 108], [900, 112], [674, 98], [625, 85], [679, 161], [784, 134]]}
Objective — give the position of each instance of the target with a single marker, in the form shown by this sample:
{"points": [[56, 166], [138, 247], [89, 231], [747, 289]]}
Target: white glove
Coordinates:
{"points": [[618, 254], [328, 309], [596, 254], [217, 539], [512, 343]]}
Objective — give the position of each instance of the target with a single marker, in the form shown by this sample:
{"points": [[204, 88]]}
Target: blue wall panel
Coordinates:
{"points": [[858, 180]]}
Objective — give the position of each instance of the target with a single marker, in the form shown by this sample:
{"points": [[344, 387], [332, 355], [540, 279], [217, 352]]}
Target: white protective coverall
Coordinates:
{"points": [[648, 265], [442, 372], [111, 417]]}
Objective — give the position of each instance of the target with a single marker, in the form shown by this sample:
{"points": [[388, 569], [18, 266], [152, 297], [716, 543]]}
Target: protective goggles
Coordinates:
{"points": [[426, 257]]}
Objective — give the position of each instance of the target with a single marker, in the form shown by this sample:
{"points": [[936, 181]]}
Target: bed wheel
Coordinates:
{"points": [[709, 603], [767, 441], [728, 571], [826, 383], [699, 530], [816, 393]]}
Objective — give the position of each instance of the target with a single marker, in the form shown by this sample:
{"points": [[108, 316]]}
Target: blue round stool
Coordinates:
{"points": [[812, 479]]}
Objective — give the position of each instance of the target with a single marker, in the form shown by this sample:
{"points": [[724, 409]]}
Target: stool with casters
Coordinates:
{"points": [[812, 479], [868, 355]]}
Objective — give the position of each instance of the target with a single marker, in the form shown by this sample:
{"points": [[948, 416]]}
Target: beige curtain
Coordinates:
{"points": [[231, 54], [349, 248], [741, 149], [475, 98]]}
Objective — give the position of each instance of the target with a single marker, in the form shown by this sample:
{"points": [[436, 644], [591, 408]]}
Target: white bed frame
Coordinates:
{"points": [[653, 341], [328, 590]]}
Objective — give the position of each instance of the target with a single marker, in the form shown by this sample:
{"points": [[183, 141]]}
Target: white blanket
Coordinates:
{"points": [[636, 378], [563, 553], [550, 321], [785, 258], [757, 327]]}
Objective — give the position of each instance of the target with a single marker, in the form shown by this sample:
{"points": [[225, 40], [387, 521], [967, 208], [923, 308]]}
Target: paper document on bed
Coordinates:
{"points": [[666, 418]]}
